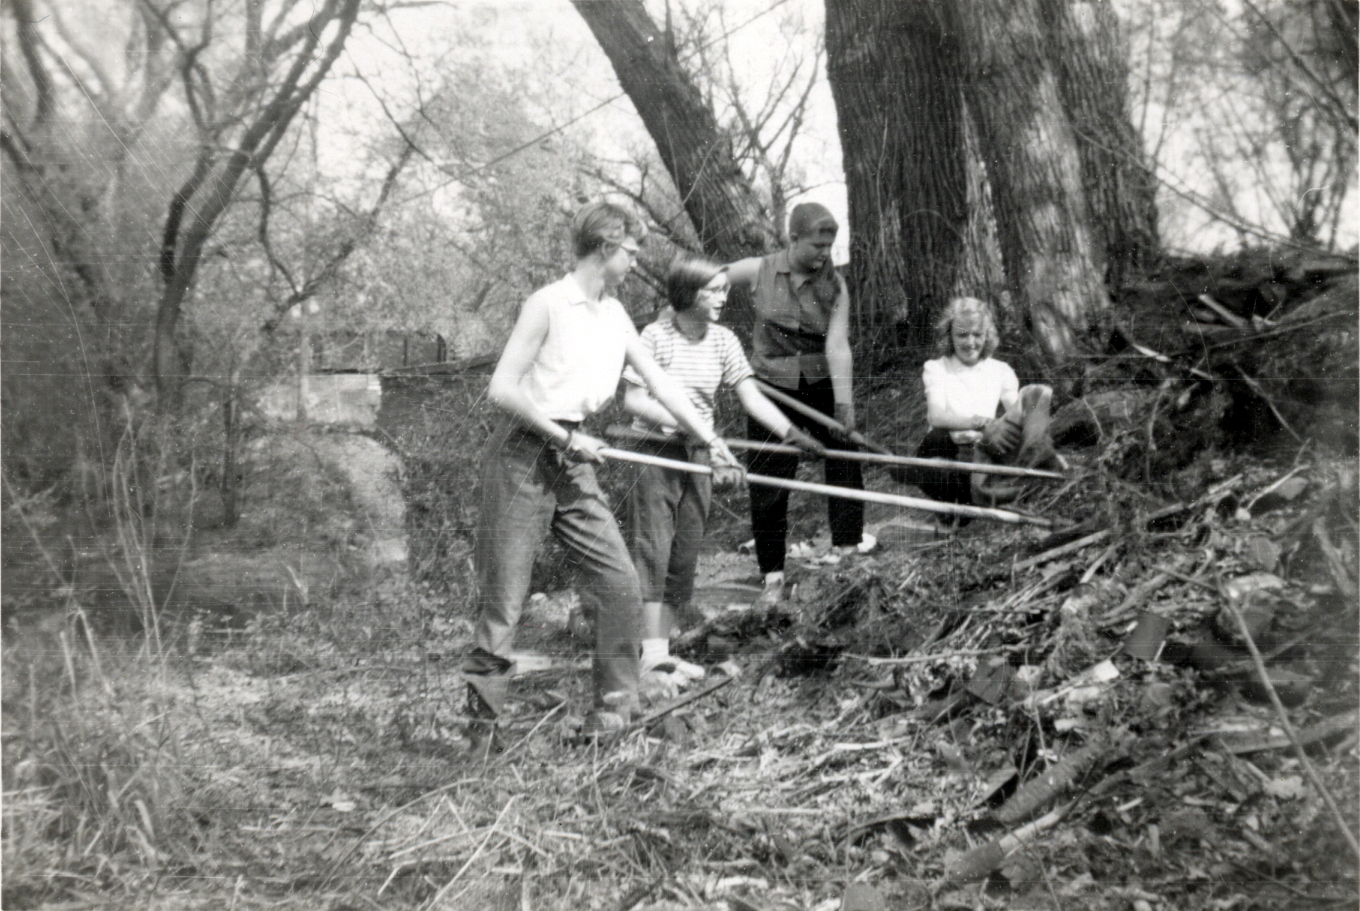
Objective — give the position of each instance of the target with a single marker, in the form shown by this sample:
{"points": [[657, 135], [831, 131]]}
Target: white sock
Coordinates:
{"points": [[654, 652], [776, 576]]}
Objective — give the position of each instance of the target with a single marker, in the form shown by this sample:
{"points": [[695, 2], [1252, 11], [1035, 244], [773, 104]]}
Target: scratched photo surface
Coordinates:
{"points": [[679, 455]]}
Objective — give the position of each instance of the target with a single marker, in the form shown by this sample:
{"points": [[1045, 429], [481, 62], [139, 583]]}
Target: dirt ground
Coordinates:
{"points": [[1151, 705], [846, 759]]}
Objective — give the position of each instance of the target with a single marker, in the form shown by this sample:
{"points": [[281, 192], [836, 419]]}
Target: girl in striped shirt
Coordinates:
{"points": [[668, 509]]}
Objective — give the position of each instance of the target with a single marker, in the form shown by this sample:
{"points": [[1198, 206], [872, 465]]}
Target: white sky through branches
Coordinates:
{"points": [[546, 43]]}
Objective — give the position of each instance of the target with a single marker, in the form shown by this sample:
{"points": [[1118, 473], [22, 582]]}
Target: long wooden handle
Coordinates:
{"points": [[783, 398], [829, 490], [873, 458]]}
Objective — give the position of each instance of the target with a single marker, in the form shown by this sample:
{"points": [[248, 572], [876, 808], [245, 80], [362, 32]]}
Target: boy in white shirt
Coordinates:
{"points": [[561, 364]]}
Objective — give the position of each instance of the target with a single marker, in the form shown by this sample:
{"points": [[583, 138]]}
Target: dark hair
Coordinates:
{"points": [[601, 224], [965, 307], [686, 277], [809, 219]]}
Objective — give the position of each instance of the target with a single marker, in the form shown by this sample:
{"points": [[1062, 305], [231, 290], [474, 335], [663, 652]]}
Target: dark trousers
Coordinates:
{"points": [[939, 483], [1035, 450], [528, 489], [770, 505], [667, 515]]}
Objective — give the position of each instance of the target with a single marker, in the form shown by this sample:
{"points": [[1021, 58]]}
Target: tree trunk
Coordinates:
{"points": [[981, 273], [894, 73], [203, 198], [1031, 156], [727, 215], [1089, 49]]}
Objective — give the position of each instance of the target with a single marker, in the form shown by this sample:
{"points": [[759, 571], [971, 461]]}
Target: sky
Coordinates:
{"points": [[549, 43], [549, 40]]}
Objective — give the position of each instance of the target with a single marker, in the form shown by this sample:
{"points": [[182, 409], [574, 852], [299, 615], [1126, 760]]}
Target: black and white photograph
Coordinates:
{"points": [[679, 455]]}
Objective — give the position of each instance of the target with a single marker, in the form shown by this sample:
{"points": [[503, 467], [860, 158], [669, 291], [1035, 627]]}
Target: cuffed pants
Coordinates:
{"points": [[667, 516], [528, 489], [770, 505]]}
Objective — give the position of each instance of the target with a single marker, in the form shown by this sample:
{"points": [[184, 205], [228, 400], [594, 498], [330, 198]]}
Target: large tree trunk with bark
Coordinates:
{"points": [[1089, 49], [1030, 152], [981, 273], [894, 73], [726, 213]]}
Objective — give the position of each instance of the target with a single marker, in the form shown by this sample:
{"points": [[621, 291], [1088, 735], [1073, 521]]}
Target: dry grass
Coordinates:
{"points": [[312, 758]]}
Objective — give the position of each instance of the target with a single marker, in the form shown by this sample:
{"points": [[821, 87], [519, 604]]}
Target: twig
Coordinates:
{"points": [[941, 656], [1158, 356], [1232, 319], [495, 827], [1141, 592], [525, 739], [981, 861], [1261, 394], [1289, 729], [1098, 562], [1216, 493], [1328, 727], [1272, 486], [1064, 550], [1336, 563], [1037, 792], [1292, 327], [657, 714]]}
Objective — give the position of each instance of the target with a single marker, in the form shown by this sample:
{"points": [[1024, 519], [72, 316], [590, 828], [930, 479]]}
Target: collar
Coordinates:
{"points": [[576, 295], [783, 266], [680, 329]]}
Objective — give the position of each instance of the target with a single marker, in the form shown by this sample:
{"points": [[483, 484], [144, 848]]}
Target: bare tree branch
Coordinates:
{"points": [[29, 41], [1339, 107]]}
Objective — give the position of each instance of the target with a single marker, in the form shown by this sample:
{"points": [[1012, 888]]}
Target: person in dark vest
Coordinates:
{"points": [[801, 344]]}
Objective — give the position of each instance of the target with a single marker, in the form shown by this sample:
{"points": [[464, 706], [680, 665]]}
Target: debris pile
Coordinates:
{"points": [[1184, 676]]}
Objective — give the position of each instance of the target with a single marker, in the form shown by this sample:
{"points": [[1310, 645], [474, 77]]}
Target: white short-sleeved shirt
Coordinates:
{"points": [[702, 367], [577, 368], [970, 390]]}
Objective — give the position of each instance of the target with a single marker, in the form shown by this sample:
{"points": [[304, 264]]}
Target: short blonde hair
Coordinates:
{"points": [[601, 225], [965, 308]]}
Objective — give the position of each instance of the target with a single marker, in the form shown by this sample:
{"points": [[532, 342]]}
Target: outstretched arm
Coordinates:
{"points": [[671, 395], [664, 388], [762, 409], [744, 271], [638, 402], [768, 413]]}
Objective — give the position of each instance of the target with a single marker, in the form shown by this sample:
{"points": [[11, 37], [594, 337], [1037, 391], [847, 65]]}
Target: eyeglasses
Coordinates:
{"points": [[719, 291], [632, 252]]}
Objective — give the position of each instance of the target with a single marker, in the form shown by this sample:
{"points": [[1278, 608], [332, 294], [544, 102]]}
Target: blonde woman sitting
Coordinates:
{"points": [[977, 410]]}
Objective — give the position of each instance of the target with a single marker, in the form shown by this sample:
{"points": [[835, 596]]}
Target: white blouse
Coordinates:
{"points": [[956, 394]]}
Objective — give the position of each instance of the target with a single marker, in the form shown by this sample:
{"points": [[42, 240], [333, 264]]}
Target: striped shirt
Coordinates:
{"points": [[702, 367]]}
